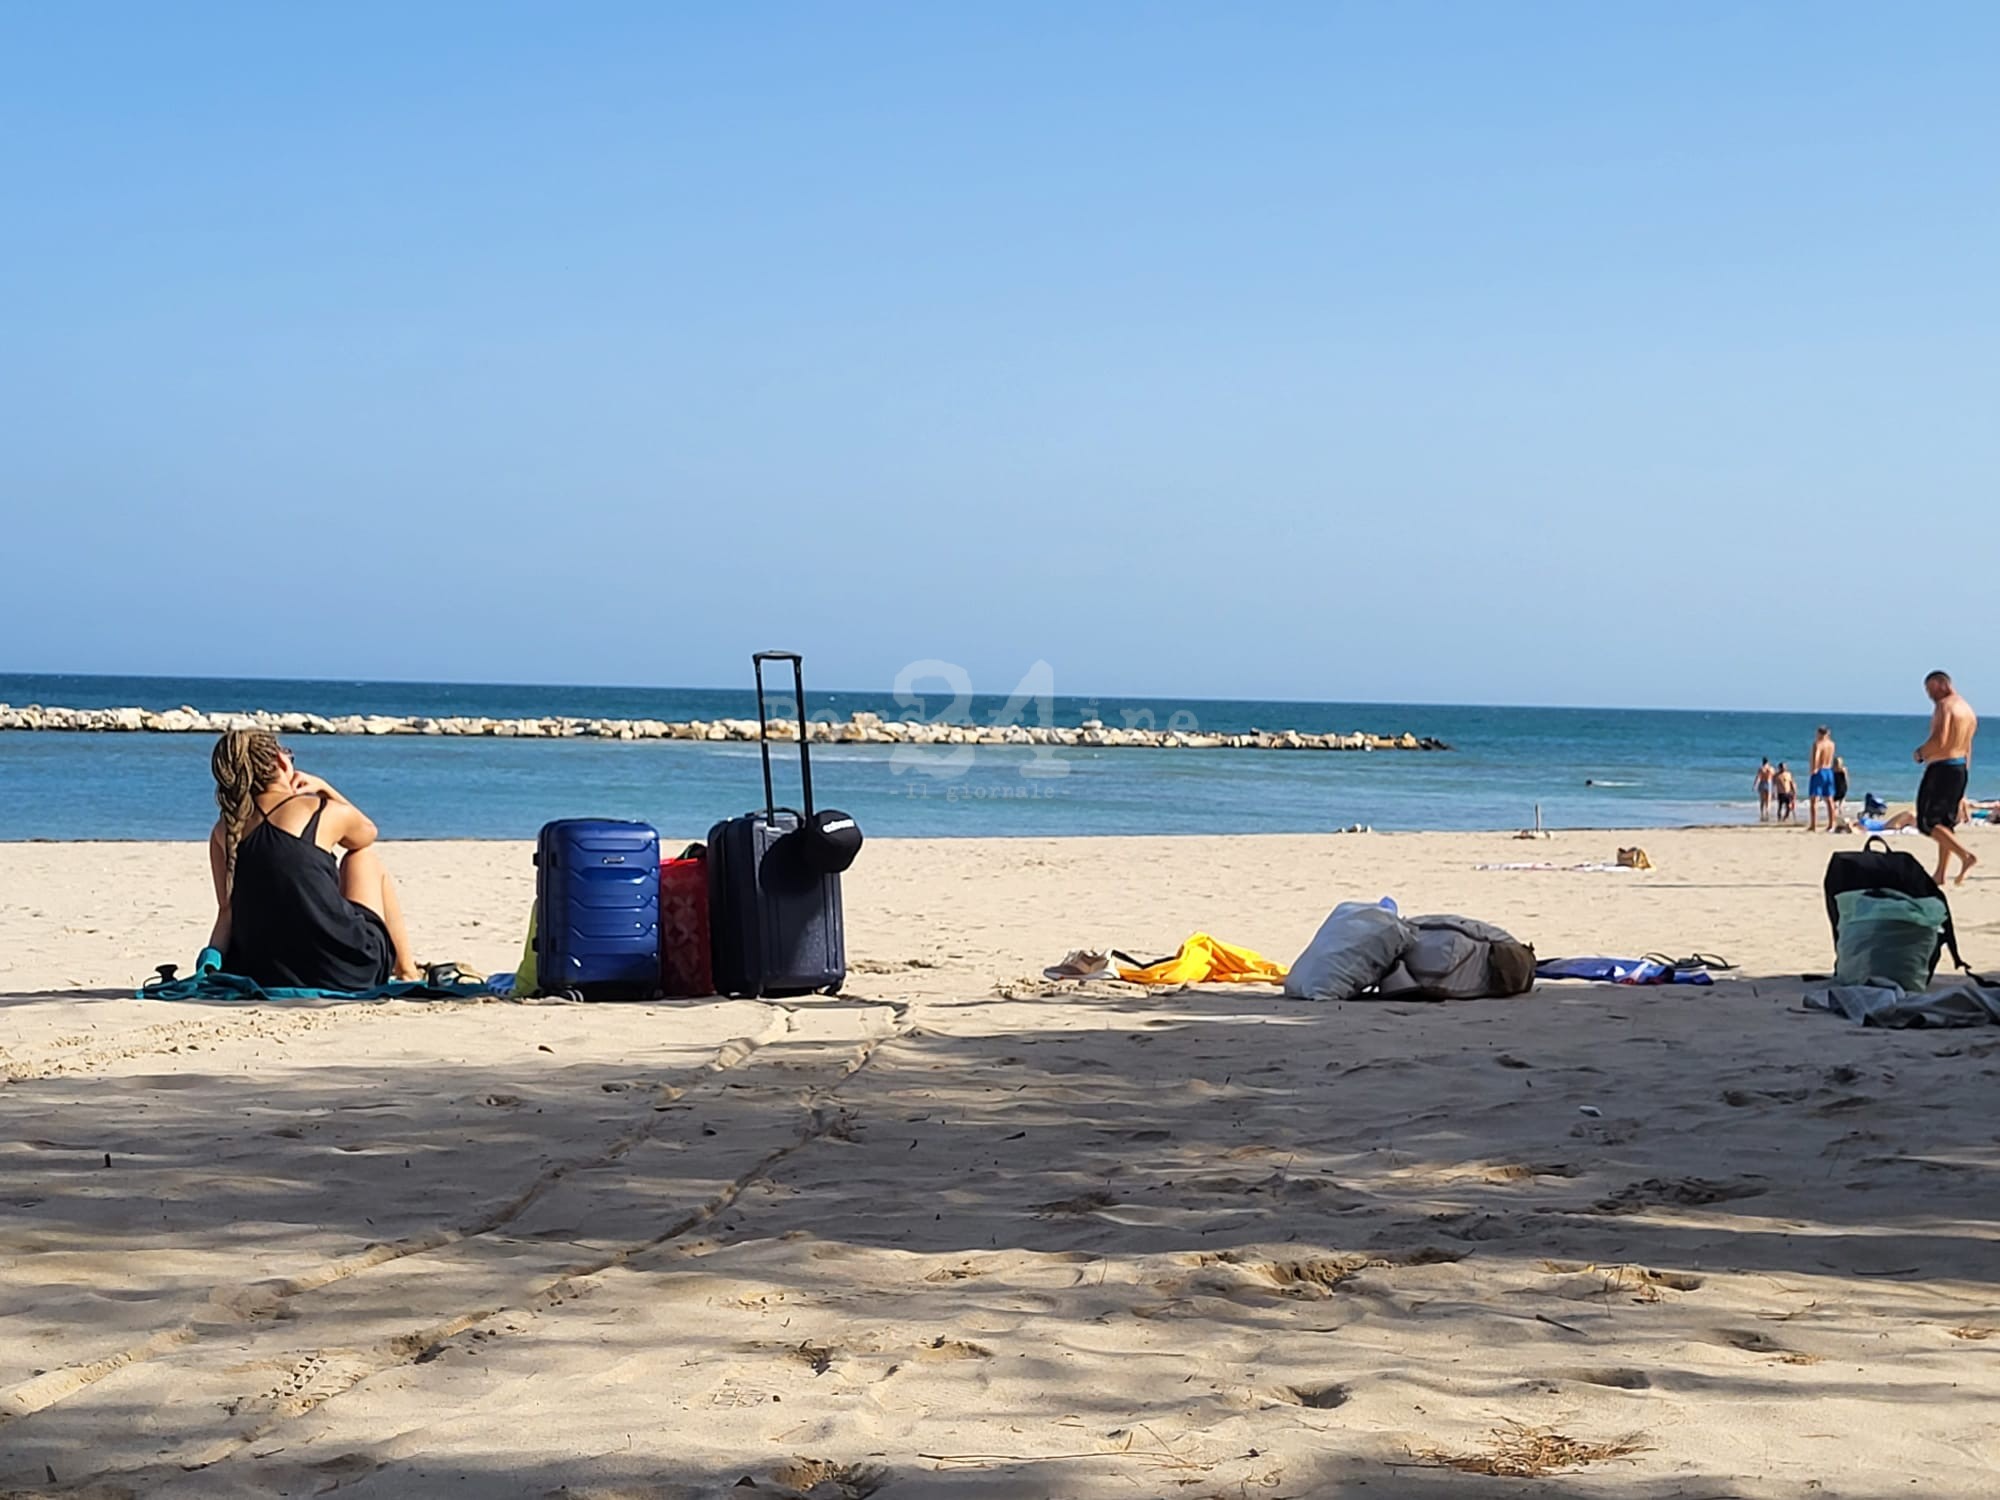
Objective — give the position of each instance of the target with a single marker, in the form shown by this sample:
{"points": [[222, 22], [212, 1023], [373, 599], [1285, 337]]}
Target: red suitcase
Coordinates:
{"points": [[684, 965]]}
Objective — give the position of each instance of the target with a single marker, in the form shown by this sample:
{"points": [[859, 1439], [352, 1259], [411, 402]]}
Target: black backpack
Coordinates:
{"points": [[1877, 867]]}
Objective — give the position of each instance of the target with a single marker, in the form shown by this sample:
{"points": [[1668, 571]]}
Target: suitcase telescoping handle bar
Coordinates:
{"points": [[757, 661]]}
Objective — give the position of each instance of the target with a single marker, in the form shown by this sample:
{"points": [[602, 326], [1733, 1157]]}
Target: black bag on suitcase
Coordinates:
{"points": [[1877, 867], [774, 880]]}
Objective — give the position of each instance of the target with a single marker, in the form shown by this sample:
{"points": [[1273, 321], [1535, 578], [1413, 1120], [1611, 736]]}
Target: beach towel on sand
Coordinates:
{"points": [[1651, 970], [1208, 960], [209, 983], [1890, 1005]]}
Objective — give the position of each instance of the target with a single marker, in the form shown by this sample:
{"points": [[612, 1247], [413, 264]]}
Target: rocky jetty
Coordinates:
{"points": [[860, 729]]}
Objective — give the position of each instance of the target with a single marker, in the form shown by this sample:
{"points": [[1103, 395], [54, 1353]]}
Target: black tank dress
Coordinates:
{"points": [[289, 925]]}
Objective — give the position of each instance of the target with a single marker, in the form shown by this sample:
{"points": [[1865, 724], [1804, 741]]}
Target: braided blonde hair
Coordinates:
{"points": [[245, 762]]}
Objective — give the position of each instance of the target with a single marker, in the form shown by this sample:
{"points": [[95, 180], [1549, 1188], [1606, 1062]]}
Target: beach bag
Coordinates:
{"points": [[684, 934], [1354, 950], [1510, 969], [1461, 958], [1440, 965], [1887, 937], [1877, 867], [527, 980]]}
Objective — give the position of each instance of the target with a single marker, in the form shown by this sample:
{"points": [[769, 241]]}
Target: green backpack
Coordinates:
{"points": [[1887, 937]]}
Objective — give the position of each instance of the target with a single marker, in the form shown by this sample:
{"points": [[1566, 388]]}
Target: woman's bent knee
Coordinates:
{"points": [[362, 878]]}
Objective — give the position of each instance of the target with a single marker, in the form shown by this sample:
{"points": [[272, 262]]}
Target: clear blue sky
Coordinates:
{"points": [[1635, 354]]}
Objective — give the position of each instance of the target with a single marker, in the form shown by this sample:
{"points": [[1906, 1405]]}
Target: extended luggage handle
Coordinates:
{"points": [[757, 660]]}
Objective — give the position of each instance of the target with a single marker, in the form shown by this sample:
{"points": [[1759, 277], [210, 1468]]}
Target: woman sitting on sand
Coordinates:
{"points": [[289, 913]]}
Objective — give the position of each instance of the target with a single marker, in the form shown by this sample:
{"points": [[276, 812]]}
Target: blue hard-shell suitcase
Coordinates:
{"points": [[774, 915], [597, 900]]}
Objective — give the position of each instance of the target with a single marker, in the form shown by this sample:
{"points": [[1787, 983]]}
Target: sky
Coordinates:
{"points": [[1631, 355]]}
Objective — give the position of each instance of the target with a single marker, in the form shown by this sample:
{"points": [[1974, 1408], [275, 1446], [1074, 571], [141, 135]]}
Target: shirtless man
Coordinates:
{"points": [[1787, 791], [1946, 758], [1819, 785]]}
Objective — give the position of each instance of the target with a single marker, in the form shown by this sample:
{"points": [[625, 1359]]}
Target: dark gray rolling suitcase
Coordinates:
{"points": [[774, 880]]}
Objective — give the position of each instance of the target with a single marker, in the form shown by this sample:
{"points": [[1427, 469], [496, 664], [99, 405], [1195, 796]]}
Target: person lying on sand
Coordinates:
{"points": [[289, 911], [1907, 818]]}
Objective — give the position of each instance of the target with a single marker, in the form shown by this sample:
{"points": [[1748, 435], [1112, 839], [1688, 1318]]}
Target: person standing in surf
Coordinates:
{"points": [[1765, 777], [1819, 784], [1947, 761]]}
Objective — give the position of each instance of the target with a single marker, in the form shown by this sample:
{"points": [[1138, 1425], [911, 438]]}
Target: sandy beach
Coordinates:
{"points": [[963, 1233]]}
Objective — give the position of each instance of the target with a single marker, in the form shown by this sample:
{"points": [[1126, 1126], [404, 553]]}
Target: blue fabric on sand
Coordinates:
{"points": [[1620, 971]]}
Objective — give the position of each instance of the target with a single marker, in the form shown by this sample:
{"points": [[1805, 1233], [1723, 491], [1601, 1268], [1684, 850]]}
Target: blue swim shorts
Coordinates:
{"points": [[1821, 784]]}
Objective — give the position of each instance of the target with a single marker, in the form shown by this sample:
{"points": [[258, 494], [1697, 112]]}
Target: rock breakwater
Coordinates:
{"points": [[859, 729]]}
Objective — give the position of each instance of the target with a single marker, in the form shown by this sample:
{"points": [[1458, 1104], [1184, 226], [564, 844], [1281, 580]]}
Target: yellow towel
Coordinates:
{"points": [[1208, 960]]}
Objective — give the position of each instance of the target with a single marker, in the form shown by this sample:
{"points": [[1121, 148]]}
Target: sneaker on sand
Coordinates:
{"points": [[1080, 964]]}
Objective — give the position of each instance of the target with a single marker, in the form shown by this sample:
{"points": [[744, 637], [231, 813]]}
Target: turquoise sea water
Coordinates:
{"points": [[1647, 768]]}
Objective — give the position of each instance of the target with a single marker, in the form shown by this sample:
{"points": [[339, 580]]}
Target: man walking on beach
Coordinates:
{"points": [[1947, 761], [1819, 785]]}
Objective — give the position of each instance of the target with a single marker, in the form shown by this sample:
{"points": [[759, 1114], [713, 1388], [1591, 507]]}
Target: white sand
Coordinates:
{"points": [[952, 1235]]}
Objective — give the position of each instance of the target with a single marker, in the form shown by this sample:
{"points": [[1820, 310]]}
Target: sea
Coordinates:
{"points": [[1577, 767]]}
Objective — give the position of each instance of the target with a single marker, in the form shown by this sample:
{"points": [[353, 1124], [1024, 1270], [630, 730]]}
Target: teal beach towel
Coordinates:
{"points": [[209, 983]]}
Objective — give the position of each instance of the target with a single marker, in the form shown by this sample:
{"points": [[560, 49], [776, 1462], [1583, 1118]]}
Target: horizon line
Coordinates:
{"points": [[1821, 713], [1075, 697]]}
